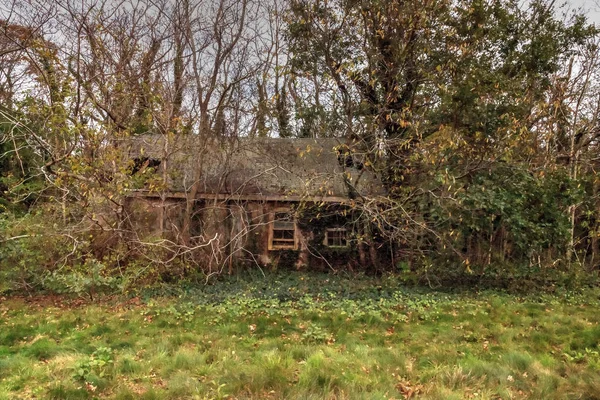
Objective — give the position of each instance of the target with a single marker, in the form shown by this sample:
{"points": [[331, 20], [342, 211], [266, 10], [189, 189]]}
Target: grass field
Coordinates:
{"points": [[302, 337]]}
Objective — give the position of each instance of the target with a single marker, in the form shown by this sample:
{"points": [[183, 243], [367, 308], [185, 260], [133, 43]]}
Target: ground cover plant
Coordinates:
{"points": [[298, 336]]}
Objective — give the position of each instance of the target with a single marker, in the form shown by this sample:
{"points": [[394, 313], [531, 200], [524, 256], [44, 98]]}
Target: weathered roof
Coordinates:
{"points": [[256, 166]]}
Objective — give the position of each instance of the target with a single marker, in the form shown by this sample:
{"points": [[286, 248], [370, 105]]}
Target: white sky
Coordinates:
{"points": [[591, 7]]}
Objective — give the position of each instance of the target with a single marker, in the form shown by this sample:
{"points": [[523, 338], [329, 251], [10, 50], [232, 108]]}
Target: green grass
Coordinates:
{"points": [[303, 337]]}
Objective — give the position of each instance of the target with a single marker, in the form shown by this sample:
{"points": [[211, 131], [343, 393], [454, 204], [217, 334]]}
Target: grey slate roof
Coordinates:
{"points": [[255, 166]]}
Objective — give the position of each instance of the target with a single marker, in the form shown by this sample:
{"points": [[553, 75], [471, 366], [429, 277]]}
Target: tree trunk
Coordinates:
{"points": [[595, 233]]}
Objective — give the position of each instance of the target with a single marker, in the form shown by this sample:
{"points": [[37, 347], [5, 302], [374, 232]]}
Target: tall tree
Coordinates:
{"points": [[405, 69]]}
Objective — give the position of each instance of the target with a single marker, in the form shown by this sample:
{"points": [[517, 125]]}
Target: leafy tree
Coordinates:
{"points": [[406, 71], [439, 95]]}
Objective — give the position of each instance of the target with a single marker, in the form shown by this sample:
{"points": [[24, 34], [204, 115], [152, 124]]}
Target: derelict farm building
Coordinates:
{"points": [[267, 201]]}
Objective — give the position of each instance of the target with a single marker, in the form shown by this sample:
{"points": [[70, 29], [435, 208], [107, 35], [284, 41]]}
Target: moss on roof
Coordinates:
{"points": [[249, 166]]}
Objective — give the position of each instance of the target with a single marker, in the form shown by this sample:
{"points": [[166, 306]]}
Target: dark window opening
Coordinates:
{"points": [[336, 237], [283, 231], [142, 163], [346, 159]]}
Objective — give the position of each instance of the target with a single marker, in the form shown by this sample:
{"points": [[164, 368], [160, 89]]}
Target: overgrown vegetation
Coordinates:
{"points": [[302, 336], [478, 119]]}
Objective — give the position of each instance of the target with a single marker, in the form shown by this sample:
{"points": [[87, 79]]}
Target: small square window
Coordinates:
{"points": [[336, 237], [282, 231]]}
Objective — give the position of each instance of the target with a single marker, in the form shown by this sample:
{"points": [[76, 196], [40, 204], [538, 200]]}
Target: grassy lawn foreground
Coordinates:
{"points": [[288, 341]]}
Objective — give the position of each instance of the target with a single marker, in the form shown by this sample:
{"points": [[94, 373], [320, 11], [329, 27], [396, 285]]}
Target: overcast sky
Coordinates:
{"points": [[591, 7]]}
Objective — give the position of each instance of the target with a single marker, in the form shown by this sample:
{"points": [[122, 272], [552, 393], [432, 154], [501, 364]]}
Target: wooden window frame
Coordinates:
{"points": [[293, 244], [329, 230]]}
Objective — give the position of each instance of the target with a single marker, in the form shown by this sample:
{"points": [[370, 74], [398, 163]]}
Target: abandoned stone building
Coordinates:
{"points": [[266, 201]]}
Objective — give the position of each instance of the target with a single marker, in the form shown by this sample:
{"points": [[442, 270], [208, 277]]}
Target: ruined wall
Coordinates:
{"points": [[242, 229], [151, 217], [239, 233]]}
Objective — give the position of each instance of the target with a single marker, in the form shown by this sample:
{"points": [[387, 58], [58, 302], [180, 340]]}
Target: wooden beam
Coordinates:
{"points": [[242, 197]]}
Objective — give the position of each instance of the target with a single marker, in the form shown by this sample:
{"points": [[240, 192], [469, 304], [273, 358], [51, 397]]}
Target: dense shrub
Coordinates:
{"points": [[30, 249]]}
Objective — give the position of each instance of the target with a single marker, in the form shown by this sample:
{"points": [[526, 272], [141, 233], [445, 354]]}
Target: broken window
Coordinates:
{"points": [[347, 159], [283, 231], [336, 237], [143, 163]]}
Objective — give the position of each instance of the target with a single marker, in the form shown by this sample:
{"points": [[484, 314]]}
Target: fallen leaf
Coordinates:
{"points": [[408, 390]]}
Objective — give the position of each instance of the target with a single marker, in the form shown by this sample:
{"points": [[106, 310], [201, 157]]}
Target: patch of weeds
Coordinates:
{"points": [[11, 365], [317, 375], [186, 359], [546, 387], [172, 314], [588, 356], [274, 371], [300, 352], [11, 335], [61, 391], [518, 361], [493, 373], [97, 365], [315, 334], [128, 366], [41, 349], [125, 394], [586, 338], [152, 394], [456, 378], [181, 385], [101, 330]]}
